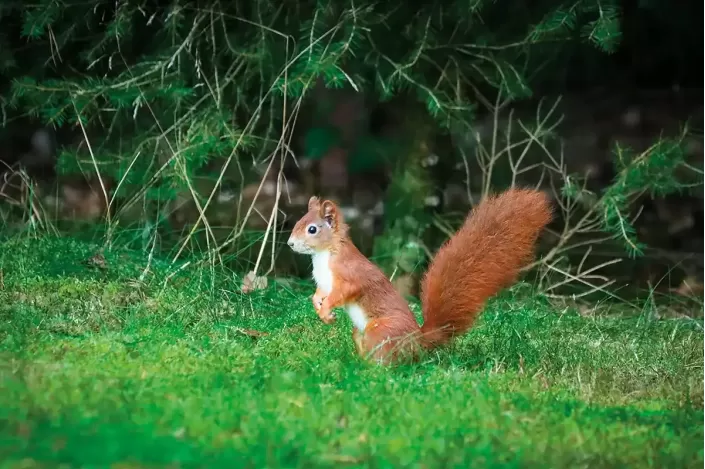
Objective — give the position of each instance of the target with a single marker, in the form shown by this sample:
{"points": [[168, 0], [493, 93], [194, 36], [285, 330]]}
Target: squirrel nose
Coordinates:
{"points": [[290, 242]]}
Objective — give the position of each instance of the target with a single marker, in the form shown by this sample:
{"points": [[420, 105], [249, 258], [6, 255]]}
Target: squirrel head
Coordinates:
{"points": [[319, 230]]}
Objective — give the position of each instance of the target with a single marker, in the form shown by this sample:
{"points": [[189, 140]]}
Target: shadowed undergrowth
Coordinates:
{"points": [[105, 363]]}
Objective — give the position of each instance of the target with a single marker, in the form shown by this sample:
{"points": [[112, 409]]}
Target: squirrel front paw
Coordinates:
{"points": [[325, 313], [317, 301], [327, 317]]}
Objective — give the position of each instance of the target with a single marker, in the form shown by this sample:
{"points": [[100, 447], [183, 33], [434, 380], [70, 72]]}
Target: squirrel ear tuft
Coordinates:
{"points": [[314, 203], [329, 212]]}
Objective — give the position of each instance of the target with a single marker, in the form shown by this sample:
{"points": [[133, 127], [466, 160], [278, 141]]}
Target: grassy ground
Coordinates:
{"points": [[99, 367]]}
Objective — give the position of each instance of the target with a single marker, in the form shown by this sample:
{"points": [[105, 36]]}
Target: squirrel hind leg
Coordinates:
{"points": [[379, 343], [359, 341]]}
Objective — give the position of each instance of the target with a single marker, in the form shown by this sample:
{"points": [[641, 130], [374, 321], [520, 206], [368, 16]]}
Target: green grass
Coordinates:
{"points": [[99, 368]]}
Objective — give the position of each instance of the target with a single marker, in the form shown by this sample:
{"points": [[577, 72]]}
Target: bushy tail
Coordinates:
{"points": [[482, 258]]}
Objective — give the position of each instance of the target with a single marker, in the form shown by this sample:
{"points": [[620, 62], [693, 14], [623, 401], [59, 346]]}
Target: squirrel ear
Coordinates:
{"points": [[329, 212], [314, 203]]}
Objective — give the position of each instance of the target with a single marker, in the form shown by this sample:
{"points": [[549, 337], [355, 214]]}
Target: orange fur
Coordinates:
{"points": [[481, 259]]}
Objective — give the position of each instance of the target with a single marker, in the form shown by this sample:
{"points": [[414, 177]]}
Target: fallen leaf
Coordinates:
{"points": [[689, 286], [251, 332], [24, 430], [344, 458], [97, 260], [252, 282], [58, 444]]}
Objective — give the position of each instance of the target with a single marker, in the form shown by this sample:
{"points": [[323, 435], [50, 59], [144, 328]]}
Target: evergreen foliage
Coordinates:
{"points": [[212, 78], [161, 89]]}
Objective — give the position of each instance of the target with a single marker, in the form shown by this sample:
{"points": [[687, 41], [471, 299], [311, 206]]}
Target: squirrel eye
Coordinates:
{"points": [[312, 229]]}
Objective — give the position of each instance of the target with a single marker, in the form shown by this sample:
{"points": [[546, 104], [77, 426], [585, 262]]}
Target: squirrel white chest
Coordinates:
{"points": [[323, 277], [322, 274]]}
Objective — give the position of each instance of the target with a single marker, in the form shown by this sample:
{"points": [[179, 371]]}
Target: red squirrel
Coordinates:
{"points": [[482, 258]]}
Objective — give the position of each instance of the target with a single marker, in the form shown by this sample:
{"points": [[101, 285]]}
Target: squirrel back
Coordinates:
{"points": [[482, 258]]}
